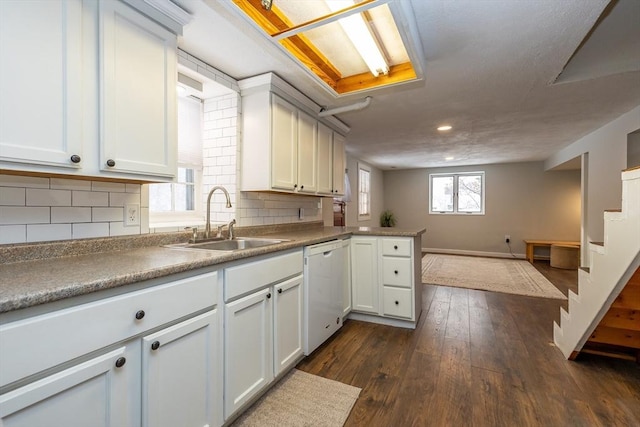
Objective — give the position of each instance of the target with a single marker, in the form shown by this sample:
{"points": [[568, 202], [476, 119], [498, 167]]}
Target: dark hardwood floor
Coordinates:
{"points": [[478, 359]]}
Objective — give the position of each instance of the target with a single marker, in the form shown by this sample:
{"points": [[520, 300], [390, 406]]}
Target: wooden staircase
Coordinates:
{"points": [[618, 333], [603, 316]]}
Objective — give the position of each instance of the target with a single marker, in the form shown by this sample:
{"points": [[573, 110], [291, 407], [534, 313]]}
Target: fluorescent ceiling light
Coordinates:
{"points": [[358, 32], [444, 128], [449, 158]]}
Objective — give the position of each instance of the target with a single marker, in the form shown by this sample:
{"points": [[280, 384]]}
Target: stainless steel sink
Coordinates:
{"points": [[237, 244]]}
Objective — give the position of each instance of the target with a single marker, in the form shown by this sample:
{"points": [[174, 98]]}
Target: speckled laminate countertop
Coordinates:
{"points": [[29, 283]]}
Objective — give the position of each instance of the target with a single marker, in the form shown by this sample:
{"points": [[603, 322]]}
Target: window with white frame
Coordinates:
{"points": [[180, 200], [456, 193], [364, 192]]}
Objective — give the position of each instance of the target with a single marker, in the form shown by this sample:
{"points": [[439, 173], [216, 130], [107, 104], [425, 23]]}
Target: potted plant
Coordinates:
{"points": [[387, 219]]}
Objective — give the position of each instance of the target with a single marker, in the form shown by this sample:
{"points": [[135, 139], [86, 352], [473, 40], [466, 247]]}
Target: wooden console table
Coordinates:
{"points": [[531, 244]]}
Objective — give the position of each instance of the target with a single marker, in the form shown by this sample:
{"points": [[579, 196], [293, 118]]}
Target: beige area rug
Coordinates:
{"points": [[302, 399], [490, 274]]}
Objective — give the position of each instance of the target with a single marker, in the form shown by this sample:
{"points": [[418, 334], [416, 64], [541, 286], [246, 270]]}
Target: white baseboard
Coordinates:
{"points": [[473, 253]]}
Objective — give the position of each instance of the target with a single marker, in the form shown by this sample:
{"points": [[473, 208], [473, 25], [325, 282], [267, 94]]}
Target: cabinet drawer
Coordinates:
{"points": [[397, 302], [397, 271], [396, 247], [246, 278], [44, 341]]}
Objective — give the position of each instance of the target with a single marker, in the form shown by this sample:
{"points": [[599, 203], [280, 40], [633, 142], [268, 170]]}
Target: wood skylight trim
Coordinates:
{"points": [[276, 24]]}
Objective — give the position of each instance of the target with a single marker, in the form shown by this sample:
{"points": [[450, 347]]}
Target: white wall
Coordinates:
{"points": [[522, 200], [607, 149], [377, 195]]}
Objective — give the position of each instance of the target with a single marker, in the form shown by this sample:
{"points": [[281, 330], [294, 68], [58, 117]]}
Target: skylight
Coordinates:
{"points": [[349, 45]]}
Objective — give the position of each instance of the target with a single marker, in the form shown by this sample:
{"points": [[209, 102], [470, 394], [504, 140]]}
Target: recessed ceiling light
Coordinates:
{"points": [[444, 128], [448, 158]]}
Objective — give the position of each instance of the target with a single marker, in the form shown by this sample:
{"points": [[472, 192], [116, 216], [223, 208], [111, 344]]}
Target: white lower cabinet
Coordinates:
{"points": [[248, 348], [364, 274], [136, 372], [179, 374], [287, 323], [263, 320], [385, 277], [98, 392]]}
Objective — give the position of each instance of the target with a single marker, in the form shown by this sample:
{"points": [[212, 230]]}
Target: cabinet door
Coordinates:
{"points": [[307, 153], [248, 348], [138, 132], [339, 164], [325, 160], [93, 393], [179, 378], [287, 323], [40, 105], [284, 144], [364, 274]]}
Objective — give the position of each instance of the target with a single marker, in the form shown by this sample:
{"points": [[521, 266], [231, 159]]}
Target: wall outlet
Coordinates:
{"points": [[131, 215], [507, 238], [301, 213]]}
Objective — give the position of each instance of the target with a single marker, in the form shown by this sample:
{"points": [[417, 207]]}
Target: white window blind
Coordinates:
{"points": [[190, 132]]}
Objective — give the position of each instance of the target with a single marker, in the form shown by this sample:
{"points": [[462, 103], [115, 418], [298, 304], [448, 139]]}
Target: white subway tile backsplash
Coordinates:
{"points": [[133, 188], [221, 123], [89, 198], [48, 232], [43, 197], [144, 220], [14, 215], [90, 230], [111, 187], [70, 184], [13, 234], [121, 199], [12, 196], [107, 214], [23, 181], [118, 229], [68, 214]]}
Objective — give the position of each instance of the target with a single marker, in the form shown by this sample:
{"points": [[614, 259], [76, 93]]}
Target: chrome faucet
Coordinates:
{"points": [[207, 230]]}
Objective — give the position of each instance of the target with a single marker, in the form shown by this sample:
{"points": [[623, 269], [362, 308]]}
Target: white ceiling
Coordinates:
{"points": [[489, 72]]}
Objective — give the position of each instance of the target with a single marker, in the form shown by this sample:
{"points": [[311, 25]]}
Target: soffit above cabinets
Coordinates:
{"points": [[314, 33]]}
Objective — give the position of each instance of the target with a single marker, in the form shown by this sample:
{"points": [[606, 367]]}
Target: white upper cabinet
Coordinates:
{"points": [[91, 93], [325, 160], [293, 142], [331, 162], [40, 71], [138, 93], [339, 164], [285, 147], [307, 153]]}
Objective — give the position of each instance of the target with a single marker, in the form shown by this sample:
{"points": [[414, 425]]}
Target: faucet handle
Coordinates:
{"points": [[194, 235], [231, 224], [219, 232]]}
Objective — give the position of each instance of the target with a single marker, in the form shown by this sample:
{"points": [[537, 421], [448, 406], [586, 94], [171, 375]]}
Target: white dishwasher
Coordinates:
{"points": [[323, 283]]}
